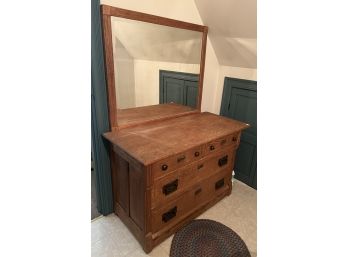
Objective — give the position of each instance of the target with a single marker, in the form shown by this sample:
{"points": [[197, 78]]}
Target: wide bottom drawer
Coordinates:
{"points": [[199, 194]]}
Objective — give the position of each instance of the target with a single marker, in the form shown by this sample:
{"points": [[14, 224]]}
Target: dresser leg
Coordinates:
{"points": [[229, 187], [148, 245]]}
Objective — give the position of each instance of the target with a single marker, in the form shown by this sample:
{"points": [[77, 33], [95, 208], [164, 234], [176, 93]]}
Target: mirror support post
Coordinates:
{"points": [[109, 65], [201, 72]]}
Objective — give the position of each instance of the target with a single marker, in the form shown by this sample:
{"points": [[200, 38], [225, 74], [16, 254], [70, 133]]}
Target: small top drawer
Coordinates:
{"points": [[221, 143], [165, 166], [212, 164]]}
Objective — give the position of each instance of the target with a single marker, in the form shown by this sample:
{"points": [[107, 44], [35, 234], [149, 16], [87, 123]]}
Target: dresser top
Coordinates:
{"points": [[129, 117], [154, 141]]}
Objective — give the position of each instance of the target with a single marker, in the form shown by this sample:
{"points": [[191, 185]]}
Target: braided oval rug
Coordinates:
{"points": [[207, 238]]}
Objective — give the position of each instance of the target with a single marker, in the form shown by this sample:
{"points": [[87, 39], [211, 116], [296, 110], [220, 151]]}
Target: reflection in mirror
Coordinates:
{"points": [[155, 64]]}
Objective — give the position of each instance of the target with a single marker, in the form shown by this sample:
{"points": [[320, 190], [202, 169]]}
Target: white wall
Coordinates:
{"points": [[233, 30], [124, 83], [153, 42], [124, 76], [147, 79]]}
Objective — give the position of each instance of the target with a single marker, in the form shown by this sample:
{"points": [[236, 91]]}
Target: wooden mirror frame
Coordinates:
{"points": [[106, 13]]}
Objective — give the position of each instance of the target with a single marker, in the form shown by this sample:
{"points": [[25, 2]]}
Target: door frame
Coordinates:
{"points": [[175, 75]]}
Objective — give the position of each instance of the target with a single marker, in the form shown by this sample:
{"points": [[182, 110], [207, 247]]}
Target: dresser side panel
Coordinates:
{"points": [[121, 185], [137, 195]]}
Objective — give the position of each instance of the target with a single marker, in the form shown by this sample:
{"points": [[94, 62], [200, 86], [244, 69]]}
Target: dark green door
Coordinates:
{"points": [[178, 87], [174, 91], [99, 120], [239, 102], [191, 93]]}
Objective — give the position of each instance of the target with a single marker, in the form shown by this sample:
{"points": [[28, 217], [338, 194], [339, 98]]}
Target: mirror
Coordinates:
{"points": [[154, 65], [151, 62]]}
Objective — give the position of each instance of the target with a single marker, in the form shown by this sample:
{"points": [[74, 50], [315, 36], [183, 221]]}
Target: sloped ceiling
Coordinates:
{"points": [[152, 42], [232, 30]]}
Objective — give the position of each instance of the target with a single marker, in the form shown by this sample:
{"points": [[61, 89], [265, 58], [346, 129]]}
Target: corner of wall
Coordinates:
{"points": [[211, 73]]}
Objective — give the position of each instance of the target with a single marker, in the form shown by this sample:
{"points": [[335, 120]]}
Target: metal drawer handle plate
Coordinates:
{"points": [[198, 191], [170, 187], [223, 161], [181, 158], [220, 183], [169, 215]]}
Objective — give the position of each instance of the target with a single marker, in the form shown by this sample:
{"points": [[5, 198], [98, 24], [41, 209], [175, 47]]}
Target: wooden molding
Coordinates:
{"points": [[109, 67], [202, 66], [139, 16]]}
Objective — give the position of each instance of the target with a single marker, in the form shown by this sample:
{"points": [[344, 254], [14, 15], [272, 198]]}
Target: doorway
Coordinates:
{"points": [[178, 87], [238, 102]]}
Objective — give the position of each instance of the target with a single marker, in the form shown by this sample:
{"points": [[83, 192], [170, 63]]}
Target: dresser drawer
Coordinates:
{"points": [[165, 166], [221, 143], [199, 194], [208, 166], [169, 187]]}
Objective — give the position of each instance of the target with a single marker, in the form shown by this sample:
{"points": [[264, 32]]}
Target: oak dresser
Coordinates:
{"points": [[166, 173], [169, 161]]}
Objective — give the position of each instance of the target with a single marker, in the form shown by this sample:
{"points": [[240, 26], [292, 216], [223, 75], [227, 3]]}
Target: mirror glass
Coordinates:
{"points": [[155, 64]]}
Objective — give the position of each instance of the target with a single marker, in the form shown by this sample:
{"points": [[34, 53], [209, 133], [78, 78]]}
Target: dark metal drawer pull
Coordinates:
{"points": [[223, 161], [169, 215], [212, 148], [234, 139], [200, 166], [219, 184], [223, 142], [181, 158], [196, 154], [170, 187], [164, 167], [198, 191]]}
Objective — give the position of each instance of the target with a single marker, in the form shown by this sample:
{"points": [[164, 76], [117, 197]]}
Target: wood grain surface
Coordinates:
{"points": [[138, 115], [154, 141]]}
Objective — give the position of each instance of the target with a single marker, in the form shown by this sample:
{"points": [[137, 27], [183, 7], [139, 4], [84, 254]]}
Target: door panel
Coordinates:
{"points": [[178, 87], [174, 91], [243, 164], [239, 102], [243, 108], [191, 93], [99, 116]]}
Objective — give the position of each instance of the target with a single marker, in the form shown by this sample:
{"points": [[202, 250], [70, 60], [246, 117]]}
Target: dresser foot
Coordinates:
{"points": [[148, 244], [229, 188]]}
